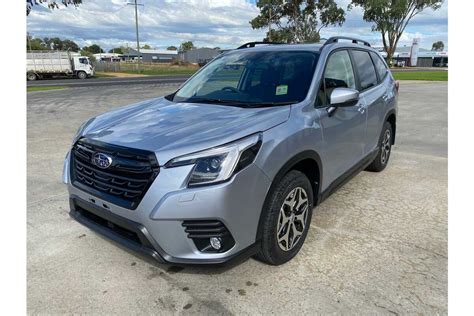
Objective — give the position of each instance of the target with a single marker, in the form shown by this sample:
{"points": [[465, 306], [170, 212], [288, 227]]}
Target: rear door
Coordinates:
{"points": [[344, 130], [373, 92]]}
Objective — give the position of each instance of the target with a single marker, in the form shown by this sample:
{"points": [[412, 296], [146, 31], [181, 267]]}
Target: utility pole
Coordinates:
{"points": [[136, 29], [270, 23]]}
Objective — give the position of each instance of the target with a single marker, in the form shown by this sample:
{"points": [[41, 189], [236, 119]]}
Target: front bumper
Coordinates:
{"points": [[155, 227]]}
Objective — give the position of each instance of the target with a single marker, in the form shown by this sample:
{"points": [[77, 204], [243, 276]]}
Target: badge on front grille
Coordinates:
{"points": [[102, 160]]}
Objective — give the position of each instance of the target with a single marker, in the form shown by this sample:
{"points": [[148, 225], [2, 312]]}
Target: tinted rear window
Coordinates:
{"points": [[379, 65], [365, 68]]}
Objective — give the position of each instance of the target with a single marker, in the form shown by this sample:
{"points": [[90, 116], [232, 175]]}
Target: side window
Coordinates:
{"points": [[365, 69], [338, 74], [83, 61], [379, 65]]}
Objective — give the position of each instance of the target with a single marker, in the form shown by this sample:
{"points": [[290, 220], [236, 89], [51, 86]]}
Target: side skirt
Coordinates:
{"points": [[348, 175]]}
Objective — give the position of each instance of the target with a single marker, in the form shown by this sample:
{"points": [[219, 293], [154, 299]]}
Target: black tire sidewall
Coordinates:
{"points": [[377, 164], [32, 75], [271, 250]]}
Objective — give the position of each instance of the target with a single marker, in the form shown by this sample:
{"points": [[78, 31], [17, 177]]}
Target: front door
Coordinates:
{"points": [[344, 131]]}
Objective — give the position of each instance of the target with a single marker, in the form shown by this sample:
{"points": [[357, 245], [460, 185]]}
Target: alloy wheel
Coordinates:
{"points": [[386, 147], [292, 219]]}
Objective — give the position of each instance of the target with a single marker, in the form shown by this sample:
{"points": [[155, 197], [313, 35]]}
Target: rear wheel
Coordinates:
{"points": [[81, 75], [385, 148], [31, 76], [286, 219]]}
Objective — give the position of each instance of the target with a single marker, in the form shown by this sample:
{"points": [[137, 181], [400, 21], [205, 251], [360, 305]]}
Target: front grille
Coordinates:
{"points": [[200, 231], [124, 182]]}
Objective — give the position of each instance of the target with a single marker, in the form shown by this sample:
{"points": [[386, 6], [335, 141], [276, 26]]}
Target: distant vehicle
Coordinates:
{"points": [[44, 64], [233, 162]]}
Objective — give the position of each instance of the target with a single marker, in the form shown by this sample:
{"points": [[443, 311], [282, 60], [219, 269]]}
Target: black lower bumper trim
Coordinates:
{"points": [[119, 229], [135, 237]]}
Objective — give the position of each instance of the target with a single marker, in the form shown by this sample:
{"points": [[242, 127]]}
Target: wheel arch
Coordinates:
{"points": [[309, 163], [392, 119]]}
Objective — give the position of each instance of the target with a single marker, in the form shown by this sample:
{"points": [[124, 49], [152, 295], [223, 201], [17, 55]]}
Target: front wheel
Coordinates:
{"points": [[385, 148], [286, 219], [81, 75], [31, 76]]}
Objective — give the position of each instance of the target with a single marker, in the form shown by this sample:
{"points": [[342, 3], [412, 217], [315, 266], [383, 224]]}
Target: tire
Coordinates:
{"points": [[81, 75], [385, 148], [31, 76], [293, 188]]}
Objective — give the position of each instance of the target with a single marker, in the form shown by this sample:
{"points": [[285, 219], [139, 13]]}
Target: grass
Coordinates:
{"points": [[46, 88], [421, 75], [151, 69], [102, 75], [162, 72]]}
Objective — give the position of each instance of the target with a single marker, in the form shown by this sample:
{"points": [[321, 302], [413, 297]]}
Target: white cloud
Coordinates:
{"points": [[223, 23]]}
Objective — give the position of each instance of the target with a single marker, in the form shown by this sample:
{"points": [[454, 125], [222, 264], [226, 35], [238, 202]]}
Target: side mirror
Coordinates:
{"points": [[343, 97]]}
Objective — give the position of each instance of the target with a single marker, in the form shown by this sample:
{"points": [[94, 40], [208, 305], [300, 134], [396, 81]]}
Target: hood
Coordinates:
{"points": [[173, 129]]}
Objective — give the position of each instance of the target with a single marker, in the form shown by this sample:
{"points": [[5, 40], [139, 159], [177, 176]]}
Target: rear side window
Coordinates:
{"points": [[379, 65], [365, 68]]}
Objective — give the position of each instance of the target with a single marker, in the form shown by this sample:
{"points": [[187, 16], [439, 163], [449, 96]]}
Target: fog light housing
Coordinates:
{"points": [[215, 243]]}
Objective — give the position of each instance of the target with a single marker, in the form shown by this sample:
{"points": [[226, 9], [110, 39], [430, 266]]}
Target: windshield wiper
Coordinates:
{"points": [[216, 101], [270, 104]]}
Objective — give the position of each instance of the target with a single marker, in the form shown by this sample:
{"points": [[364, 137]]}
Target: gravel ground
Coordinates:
{"points": [[378, 245]]}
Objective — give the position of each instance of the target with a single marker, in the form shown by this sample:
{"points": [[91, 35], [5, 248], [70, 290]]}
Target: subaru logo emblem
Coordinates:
{"points": [[102, 160]]}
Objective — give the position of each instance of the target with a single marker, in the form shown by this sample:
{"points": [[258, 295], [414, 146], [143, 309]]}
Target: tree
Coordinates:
{"points": [[70, 45], [390, 17], [297, 21], [35, 44], [51, 4], [88, 54], [172, 48], [146, 46], [117, 50], [93, 49], [186, 46], [438, 46]]}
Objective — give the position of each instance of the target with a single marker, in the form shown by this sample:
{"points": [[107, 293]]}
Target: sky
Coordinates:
{"points": [[207, 23]]}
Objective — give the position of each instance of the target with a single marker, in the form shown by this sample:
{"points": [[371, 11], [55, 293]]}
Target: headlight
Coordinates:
{"points": [[219, 164]]}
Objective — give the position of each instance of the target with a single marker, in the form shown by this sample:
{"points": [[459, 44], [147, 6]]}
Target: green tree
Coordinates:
{"points": [[172, 48], [94, 49], [117, 50], [438, 46], [297, 21], [88, 54], [35, 44], [51, 4], [70, 45], [186, 46], [390, 17], [146, 46]]}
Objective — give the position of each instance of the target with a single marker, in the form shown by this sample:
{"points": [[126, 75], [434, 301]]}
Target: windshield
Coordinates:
{"points": [[252, 78]]}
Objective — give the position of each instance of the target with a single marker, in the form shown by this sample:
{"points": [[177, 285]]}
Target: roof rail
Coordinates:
{"points": [[252, 44], [335, 39]]}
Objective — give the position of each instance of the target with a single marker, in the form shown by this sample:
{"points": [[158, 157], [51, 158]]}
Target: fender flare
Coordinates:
{"points": [[390, 112], [293, 161]]}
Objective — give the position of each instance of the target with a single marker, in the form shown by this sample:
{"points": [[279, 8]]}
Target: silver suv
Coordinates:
{"points": [[233, 163]]}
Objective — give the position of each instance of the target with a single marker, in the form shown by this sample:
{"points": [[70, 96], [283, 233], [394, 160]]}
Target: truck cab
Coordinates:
{"points": [[83, 67]]}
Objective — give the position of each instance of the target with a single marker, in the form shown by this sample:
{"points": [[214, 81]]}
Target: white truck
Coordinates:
{"points": [[55, 63]]}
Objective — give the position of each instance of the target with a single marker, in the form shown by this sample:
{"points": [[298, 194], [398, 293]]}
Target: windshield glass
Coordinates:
{"points": [[268, 78]]}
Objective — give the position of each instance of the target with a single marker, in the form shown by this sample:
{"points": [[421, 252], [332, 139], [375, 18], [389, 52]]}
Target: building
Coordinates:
{"points": [[152, 55], [199, 55], [109, 57], [425, 57]]}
